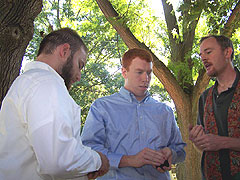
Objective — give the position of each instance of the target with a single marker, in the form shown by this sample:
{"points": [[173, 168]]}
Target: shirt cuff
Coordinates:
{"points": [[97, 160], [114, 160], [174, 156]]}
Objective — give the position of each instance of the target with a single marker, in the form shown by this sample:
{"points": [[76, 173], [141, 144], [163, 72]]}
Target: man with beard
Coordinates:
{"points": [[40, 122], [138, 134], [217, 134]]}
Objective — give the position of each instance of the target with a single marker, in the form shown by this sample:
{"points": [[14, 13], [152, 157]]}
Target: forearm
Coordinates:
{"points": [[126, 161], [230, 143]]}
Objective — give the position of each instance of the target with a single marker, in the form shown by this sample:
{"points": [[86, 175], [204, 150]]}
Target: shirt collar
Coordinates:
{"points": [[41, 65], [129, 96], [237, 77]]}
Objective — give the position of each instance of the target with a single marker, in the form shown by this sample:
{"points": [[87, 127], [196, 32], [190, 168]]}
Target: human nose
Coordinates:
{"points": [[146, 77], [203, 57]]}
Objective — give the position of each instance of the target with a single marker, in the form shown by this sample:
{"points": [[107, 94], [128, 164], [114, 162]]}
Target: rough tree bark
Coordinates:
{"points": [[185, 96], [16, 30]]}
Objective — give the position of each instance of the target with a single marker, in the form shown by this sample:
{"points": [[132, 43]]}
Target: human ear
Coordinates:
{"points": [[228, 52], [65, 51], [124, 72]]}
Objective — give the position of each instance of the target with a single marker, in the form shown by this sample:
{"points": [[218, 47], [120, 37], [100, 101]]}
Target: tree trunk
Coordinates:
{"points": [[190, 169], [16, 30]]}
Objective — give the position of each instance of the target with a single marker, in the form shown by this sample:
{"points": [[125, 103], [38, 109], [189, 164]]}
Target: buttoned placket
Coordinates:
{"points": [[141, 124]]}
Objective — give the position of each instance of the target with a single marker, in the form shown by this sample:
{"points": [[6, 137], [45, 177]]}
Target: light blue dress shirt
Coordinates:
{"points": [[120, 125]]}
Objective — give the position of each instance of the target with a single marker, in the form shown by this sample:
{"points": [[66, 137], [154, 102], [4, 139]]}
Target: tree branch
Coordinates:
{"points": [[233, 22], [172, 26]]}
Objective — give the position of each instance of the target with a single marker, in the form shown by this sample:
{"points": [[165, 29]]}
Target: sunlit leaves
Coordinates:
{"points": [[236, 40], [139, 18], [217, 13]]}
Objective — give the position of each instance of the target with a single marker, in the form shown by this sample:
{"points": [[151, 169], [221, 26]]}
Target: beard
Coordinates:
{"points": [[67, 72]]}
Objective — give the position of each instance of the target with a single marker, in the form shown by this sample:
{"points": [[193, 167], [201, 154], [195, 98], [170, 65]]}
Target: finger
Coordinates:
{"points": [[158, 158], [94, 176], [160, 169], [199, 141], [101, 173], [190, 127], [196, 132], [153, 155], [152, 163], [197, 129], [90, 176], [202, 139], [192, 132], [199, 146], [154, 160], [166, 166], [167, 151], [202, 133]]}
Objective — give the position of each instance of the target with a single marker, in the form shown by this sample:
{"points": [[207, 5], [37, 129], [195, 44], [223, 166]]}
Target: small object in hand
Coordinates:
{"points": [[166, 163]]}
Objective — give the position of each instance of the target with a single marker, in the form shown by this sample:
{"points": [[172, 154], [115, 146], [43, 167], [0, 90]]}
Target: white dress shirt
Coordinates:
{"points": [[40, 130]]}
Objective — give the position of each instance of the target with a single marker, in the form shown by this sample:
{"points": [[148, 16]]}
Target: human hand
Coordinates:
{"points": [[104, 167], [147, 156], [93, 175], [209, 142], [195, 131], [166, 166]]}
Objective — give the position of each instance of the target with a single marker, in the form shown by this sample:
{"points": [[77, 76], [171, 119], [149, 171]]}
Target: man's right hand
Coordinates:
{"points": [[103, 169], [105, 164], [146, 156], [195, 132]]}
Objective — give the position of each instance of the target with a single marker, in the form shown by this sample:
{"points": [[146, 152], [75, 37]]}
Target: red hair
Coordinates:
{"points": [[132, 54]]}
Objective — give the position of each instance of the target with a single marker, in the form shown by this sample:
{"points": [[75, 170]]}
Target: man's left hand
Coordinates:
{"points": [[167, 152]]}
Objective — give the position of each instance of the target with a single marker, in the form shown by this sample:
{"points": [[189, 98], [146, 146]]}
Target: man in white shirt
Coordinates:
{"points": [[40, 122]]}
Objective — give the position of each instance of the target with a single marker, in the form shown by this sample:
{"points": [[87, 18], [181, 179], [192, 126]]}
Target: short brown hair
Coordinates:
{"points": [[222, 40], [61, 36], [133, 53]]}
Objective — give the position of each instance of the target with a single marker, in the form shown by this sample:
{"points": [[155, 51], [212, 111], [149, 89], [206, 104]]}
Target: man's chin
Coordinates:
{"points": [[143, 92], [211, 74]]}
